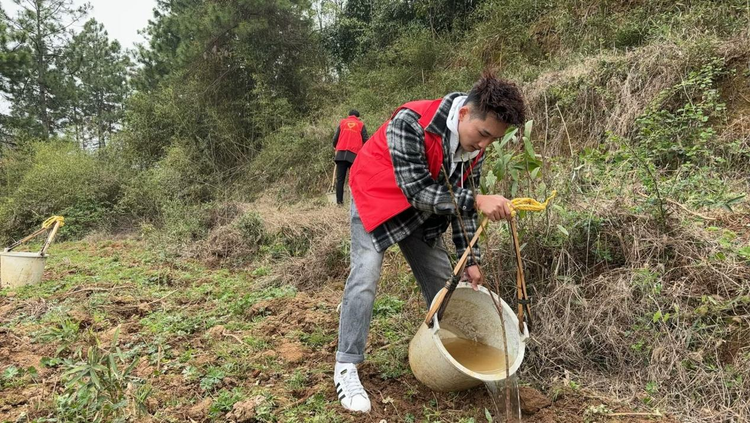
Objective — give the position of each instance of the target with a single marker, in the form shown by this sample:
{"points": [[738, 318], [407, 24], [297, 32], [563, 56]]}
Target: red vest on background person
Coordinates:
{"points": [[350, 135], [372, 179]]}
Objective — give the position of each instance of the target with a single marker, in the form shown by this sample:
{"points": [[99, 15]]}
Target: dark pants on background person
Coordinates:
{"points": [[342, 167]]}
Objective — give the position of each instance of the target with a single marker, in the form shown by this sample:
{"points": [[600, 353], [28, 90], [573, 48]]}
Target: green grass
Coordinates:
{"points": [[92, 287], [316, 409], [169, 311]]}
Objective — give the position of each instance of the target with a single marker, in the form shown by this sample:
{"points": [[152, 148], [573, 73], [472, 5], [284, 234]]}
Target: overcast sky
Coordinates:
{"points": [[121, 18]]}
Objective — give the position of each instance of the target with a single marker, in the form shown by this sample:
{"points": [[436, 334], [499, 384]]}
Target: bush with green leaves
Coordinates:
{"points": [[175, 179], [678, 126], [299, 153], [58, 178], [251, 227], [512, 164]]}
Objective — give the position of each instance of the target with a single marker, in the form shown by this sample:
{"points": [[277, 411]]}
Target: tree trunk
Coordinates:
{"points": [[41, 72]]}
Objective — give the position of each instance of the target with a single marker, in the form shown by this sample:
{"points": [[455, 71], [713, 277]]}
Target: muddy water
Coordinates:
{"points": [[485, 359], [476, 356]]}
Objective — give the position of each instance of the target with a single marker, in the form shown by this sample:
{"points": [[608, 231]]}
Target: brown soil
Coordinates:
{"points": [[292, 353], [393, 399], [285, 322]]}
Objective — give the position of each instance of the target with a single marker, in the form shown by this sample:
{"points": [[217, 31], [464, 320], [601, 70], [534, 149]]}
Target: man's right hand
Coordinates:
{"points": [[495, 207]]}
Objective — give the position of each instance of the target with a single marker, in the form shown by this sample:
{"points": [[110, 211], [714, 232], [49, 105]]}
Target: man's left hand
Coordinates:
{"points": [[473, 275]]}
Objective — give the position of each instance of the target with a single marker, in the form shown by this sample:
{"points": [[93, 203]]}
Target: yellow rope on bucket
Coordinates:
{"points": [[443, 296], [51, 221], [529, 204]]}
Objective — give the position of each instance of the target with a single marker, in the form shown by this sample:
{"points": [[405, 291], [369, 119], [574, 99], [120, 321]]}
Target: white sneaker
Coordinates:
{"points": [[349, 389]]}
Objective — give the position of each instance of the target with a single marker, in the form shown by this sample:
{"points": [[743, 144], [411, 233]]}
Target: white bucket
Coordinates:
{"points": [[471, 315], [19, 269]]}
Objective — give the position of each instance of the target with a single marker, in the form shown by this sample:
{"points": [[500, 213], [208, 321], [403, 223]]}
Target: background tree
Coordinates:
{"points": [[41, 28], [99, 85], [225, 74], [13, 60]]}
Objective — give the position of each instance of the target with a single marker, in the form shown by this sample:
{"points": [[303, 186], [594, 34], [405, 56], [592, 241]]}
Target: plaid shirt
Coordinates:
{"points": [[432, 205]]}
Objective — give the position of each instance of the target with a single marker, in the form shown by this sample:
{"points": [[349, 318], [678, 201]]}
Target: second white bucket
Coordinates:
{"points": [[471, 315], [19, 269]]}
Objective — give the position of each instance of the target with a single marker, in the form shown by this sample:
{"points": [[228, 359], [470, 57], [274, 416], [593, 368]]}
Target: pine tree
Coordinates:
{"points": [[99, 86], [13, 62], [38, 96]]}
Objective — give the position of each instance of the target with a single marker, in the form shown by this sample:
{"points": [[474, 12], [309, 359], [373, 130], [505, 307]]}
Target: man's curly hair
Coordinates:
{"points": [[497, 96]]}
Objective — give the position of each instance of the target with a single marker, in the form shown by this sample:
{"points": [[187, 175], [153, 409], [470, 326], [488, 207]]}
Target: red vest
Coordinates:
{"points": [[350, 135], [372, 179]]}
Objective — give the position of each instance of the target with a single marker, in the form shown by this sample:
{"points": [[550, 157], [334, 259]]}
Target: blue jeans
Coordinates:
{"points": [[430, 265]]}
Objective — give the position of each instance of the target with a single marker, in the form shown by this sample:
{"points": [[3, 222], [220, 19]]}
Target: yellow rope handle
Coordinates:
{"points": [[529, 204], [51, 221]]}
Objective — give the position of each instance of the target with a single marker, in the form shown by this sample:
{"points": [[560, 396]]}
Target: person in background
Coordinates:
{"points": [[349, 138]]}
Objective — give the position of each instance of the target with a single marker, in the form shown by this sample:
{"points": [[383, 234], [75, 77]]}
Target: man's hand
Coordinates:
{"points": [[495, 207], [473, 275]]}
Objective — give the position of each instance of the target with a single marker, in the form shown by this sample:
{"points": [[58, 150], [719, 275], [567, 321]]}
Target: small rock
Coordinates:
{"points": [[201, 409], [215, 331], [291, 353], [532, 400], [244, 411]]}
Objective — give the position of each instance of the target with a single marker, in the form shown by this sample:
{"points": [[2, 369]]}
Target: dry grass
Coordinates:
{"points": [[601, 321], [324, 229], [598, 323], [578, 106], [308, 238]]}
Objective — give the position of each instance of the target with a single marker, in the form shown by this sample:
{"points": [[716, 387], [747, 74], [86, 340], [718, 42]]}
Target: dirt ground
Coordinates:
{"points": [[268, 359]]}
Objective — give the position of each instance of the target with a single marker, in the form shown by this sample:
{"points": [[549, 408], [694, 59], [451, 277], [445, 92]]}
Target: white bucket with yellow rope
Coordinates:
{"points": [[459, 311], [24, 268]]}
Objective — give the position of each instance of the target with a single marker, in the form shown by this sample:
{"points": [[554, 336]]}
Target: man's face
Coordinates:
{"points": [[476, 133]]}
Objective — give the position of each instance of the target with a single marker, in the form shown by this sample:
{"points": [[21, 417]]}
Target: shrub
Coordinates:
{"points": [[58, 178], [101, 387], [251, 228], [156, 191], [302, 153]]}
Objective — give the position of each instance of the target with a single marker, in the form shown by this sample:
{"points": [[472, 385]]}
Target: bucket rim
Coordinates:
{"points": [[484, 377], [25, 254]]}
